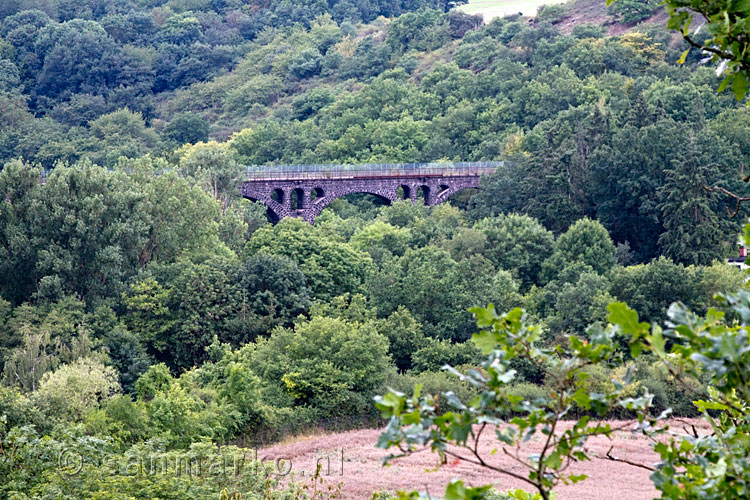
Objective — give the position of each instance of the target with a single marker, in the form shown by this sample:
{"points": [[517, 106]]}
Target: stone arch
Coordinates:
{"points": [[317, 194], [278, 195], [319, 205], [406, 189], [426, 195], [444, 195], [298, 198], [276, 212]]}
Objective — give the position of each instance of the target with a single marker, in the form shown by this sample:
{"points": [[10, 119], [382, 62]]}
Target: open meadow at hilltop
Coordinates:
{"points": [[490, 9]]}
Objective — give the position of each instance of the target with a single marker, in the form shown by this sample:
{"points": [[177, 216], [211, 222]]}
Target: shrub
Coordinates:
{"points": [[72, 390], [432, 382], [438, 353], [632, 11]]}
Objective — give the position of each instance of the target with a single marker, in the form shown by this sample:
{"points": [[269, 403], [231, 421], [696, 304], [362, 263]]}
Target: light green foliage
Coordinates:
{"points": [[41, 337], [502, 291], [467, 242], [381, 239], [324, 363], [121, 133], [651, 288], [214, 166], [435, 354], [332, 268], [149, 317], [156, 379], [31, 465], [183, 216], [70, 391]]}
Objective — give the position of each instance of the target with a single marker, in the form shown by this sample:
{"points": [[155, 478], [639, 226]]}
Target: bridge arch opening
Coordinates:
{"points": [[316, 194], [423, 193], [298, 200], [358, 202], [403, 192], [278, 196]]}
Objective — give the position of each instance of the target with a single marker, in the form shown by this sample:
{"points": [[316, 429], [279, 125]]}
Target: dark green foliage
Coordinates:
{"points": [[423, 30], [586, 242], [187, 128], [405, 338], [518, 244], [273, 293], [136, 260]]}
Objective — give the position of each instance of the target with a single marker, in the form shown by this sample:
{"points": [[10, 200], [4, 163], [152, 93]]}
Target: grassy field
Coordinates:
{"points": [[498, 8]]}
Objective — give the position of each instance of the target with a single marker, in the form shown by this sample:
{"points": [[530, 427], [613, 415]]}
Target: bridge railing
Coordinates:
{"points": [[371, 170]]}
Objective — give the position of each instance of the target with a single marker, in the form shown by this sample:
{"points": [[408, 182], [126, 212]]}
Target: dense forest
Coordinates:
{"points": [[146, 308]]}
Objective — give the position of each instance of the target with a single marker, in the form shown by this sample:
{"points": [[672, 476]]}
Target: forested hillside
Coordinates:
{"points": [[146, 308]]}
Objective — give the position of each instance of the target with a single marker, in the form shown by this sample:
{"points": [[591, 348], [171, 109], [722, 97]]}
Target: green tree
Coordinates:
{"points": [[186, 128], [326, 363], [87, 231], [632, 11], [120, 133], [428, 283], [331, 268], [273, 292], [19, 186], [519, 244], [405, 337], [694, 232], [215, 167], [70, 391], [587, 242], [205, 305]]}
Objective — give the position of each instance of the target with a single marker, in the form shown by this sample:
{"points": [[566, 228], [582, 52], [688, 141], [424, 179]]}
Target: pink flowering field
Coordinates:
{"points": [[351, 460]]}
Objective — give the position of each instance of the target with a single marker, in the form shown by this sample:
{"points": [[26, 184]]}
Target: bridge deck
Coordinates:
{"points": [[371, 171]]}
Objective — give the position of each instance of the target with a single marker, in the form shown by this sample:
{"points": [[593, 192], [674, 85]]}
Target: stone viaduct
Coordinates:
{"points": [[304, 191]]}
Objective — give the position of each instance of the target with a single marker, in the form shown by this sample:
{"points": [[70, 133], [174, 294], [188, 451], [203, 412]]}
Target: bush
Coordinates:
{"points": [[438, 353], [432, 382], [551, 13], [632, 11], [668, 393], [73, 390], [323, 363]]}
